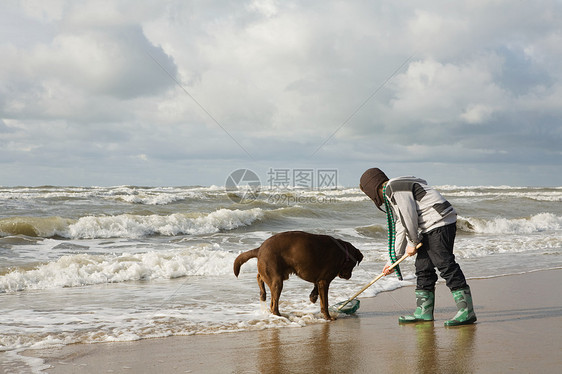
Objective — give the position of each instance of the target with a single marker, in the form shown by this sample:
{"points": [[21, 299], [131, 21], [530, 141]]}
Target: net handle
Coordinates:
{"points": [[406, 255]]}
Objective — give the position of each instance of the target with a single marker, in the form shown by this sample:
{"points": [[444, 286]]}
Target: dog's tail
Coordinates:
{"points": [[243, 257]]}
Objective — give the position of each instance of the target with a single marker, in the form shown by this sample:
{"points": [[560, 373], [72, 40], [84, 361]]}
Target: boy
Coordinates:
{"points": [[416, 214]]}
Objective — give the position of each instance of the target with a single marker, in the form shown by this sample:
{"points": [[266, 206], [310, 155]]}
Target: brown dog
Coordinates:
{"points": [[314, 258]]}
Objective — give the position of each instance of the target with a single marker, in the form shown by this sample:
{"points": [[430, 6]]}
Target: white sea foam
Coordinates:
{"points": [[16, 363], [85, 269], [130, 225], [155, 324], [136, 195], [536, 223], [134, 226], [481, 247], [159, 199], [178, 311], [490, 187], [533, 195]]}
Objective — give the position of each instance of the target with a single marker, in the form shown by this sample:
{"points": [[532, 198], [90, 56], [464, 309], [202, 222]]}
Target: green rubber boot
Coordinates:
{"points": [[465, 315], [425, 301]]}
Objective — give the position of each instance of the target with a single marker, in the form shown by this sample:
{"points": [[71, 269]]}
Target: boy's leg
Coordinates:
{"points": [[440, 242], [425, 296], [426, 277], [440, 245]]}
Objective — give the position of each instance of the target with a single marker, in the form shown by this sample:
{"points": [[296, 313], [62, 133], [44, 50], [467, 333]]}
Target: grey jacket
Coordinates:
{"points": [[417, 208]]}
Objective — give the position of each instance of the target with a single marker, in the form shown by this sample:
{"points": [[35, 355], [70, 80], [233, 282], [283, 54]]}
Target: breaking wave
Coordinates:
{"points": [[504, 192], [536, 223], [129, 225], [86, 269]]}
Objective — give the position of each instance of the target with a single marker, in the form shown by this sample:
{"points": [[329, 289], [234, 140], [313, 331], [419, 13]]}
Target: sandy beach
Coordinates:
{"points": [[519, 330]]}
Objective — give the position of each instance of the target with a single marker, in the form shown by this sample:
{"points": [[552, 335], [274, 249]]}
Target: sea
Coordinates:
{"points": [[113, 264]]}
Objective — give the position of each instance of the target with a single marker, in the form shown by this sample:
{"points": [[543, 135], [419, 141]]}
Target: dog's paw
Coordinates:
{"points": [[313, 298]]}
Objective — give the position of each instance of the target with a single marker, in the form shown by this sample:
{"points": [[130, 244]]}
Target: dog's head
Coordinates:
{"points": [[353, 257]]}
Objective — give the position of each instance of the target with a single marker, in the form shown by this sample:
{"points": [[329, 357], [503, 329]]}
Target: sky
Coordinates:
{"points": [[180, 93]]}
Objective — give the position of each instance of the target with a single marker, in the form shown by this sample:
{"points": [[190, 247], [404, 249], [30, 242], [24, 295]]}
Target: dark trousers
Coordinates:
{"points": [[437, 252]]}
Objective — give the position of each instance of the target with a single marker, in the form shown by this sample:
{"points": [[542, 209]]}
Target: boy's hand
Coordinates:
{"points": [[411, 251], [385, 269]]}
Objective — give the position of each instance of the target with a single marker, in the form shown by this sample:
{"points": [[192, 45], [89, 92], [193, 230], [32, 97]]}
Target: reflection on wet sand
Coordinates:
{"points": [[452, 351], [327, 348]]}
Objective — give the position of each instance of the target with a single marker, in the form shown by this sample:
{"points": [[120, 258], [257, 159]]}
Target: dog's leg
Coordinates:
{"points": [[275, 287], [314, 294], [263, 293], [323, 292]]}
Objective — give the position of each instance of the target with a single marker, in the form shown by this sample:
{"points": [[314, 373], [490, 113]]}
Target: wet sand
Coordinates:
{"points": [[519, 330]]}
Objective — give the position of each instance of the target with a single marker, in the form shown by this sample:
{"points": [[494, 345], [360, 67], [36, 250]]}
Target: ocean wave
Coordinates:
{"points": [[531, 195], [482, 187], [46, 227], [514, 244], [133, 226], [129, 225], [310, 196], [171, 195], [155, 196], [356, 195], [373, 231], [85, 269], [128, 194], [536, 223], [157, 199]]}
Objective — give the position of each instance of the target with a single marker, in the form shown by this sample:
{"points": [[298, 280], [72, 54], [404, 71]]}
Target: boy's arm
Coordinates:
{"points": [[408, 215], [400, 242]]}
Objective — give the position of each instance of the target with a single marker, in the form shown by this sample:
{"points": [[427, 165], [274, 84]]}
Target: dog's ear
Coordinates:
{"points": [[358, 256]]}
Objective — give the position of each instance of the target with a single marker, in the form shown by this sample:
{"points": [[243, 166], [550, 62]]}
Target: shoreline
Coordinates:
{"points": [[519, 330]]}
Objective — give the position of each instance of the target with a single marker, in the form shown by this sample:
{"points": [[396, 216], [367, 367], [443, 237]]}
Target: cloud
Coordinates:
{"points": [[443, 93], [136, 90], [59, 79]]}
